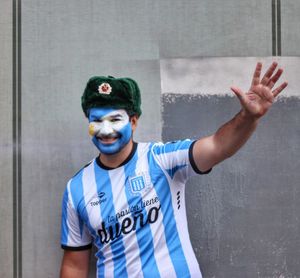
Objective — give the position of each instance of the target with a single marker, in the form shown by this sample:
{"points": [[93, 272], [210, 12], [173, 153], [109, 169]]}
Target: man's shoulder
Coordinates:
{"points": [[78, 174], [171, 146], [82, 168]]}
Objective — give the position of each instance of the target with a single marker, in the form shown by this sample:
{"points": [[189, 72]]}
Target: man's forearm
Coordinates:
{"points": [[230, 137], [75, 264], [71, 272]]}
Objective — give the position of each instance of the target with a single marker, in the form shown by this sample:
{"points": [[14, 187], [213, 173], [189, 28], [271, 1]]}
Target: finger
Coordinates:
{"points": [[275, 78], [256, 75], [239, 93], [279, 89], [269, 73]]}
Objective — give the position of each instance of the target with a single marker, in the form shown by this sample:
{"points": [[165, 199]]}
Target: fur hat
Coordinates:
{"points": [[119, 93]]}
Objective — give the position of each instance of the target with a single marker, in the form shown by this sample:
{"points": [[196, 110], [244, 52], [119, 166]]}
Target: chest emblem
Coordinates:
{"points": [[139, 183]]}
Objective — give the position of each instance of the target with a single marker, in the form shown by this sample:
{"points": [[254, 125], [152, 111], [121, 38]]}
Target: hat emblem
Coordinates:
{"points": [[104, 88]]}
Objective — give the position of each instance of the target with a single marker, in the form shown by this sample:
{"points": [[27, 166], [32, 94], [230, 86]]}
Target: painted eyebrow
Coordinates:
{"points": [[101, 117], [116, 116]]}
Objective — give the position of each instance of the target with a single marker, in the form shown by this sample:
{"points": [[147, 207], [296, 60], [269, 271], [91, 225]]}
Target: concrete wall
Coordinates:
{"points": [[244, 214], [65, 42], [6, 142]]}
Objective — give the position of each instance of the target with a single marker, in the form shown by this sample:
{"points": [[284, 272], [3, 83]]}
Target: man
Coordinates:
{"points": [[129, 201]]}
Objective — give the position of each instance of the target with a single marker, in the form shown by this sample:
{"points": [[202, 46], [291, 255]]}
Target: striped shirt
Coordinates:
{"points": [[135, 214]]}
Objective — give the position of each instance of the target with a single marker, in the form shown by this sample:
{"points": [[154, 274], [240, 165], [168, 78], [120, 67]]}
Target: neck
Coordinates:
{"points": [[115, 160]]}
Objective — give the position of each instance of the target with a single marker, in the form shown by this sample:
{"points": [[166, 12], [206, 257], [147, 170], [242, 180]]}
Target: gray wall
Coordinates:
{"points": [[6, 173], [65, 42], [244, 214]]}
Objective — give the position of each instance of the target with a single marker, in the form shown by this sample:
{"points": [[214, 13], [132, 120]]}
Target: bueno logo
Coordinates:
{"points": [[128, 224]]}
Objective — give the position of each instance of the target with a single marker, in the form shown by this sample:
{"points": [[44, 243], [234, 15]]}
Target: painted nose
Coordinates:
{"points": [[106, 128]]}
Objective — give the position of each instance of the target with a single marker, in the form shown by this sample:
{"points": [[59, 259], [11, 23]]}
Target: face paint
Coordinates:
{"points": [[110, 129]]}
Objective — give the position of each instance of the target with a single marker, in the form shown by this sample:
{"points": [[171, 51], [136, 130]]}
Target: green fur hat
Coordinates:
{"points": [[119, 93]]}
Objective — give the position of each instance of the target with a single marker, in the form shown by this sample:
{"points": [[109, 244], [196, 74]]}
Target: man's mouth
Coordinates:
{"points": [[108, 139]]}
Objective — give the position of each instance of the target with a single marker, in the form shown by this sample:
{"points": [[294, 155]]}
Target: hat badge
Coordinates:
{"points": [[104, 88]]}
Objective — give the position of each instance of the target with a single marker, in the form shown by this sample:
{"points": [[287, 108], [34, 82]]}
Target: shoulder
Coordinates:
{"points": [[77, 177], [173, 146], [82, 168]]}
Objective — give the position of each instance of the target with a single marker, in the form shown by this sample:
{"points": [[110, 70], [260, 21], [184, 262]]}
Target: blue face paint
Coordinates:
{"points": [[110, 129]]}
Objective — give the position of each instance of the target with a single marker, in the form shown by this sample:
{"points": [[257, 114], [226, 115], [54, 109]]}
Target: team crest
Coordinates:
{"points": [[104, 88], [139, 183]]}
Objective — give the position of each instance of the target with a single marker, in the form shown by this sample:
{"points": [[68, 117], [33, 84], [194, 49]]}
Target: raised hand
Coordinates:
{"points": [[257, 101]]}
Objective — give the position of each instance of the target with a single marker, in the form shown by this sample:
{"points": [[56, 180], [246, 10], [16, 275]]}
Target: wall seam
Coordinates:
{"points": [[276, 27], [17, 151]]}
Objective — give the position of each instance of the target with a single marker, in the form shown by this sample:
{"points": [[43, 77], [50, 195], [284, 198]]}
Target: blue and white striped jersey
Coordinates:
{"points": [[135, 214]]}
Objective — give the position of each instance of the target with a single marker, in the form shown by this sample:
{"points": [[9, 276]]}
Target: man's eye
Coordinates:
{"points": [[115, 120]]}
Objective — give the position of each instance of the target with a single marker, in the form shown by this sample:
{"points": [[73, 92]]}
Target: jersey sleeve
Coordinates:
{"points": [[74, 233], [176, 158]]}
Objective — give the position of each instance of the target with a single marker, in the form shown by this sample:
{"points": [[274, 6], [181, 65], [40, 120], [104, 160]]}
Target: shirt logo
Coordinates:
{"points": [[101, 194], [99, 200], [137, 184]]}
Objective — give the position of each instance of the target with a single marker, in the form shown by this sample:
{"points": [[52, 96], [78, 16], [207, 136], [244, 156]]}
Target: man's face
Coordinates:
{"points": [[110, 129]]}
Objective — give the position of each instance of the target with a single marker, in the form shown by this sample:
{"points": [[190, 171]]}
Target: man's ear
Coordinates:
{"points": [[134, 121]]}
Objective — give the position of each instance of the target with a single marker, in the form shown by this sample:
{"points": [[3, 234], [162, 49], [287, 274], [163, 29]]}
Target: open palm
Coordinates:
{"points": [[257, 101]]}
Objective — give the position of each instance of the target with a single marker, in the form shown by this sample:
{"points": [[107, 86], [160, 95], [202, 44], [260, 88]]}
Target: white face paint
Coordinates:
{"points": [[109, 123], [110, 129]]}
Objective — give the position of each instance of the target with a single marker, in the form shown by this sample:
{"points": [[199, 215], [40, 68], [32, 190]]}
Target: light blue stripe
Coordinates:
{"points": [[144, 236], [104, 184], [100, 256], [172, 238], [172, 146], [173, 171], [64, 226], [76, 189]]}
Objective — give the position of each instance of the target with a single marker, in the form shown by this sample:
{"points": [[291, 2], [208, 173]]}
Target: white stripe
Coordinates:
{"points": [[176, 157], [74, 235], [133, 260], [72, 220], [171, 159], [181, 219], [90, 192], [162, 257], [182, 227]]}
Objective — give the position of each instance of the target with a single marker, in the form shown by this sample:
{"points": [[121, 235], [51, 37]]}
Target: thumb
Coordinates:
{"points": [[239, 93]]}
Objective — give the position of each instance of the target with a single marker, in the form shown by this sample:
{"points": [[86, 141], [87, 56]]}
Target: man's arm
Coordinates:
{"points": [[230, 137], [75, 264]]}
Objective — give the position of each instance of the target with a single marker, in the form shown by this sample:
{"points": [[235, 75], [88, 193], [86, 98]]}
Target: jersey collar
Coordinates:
{"points": [[133, 150]]}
